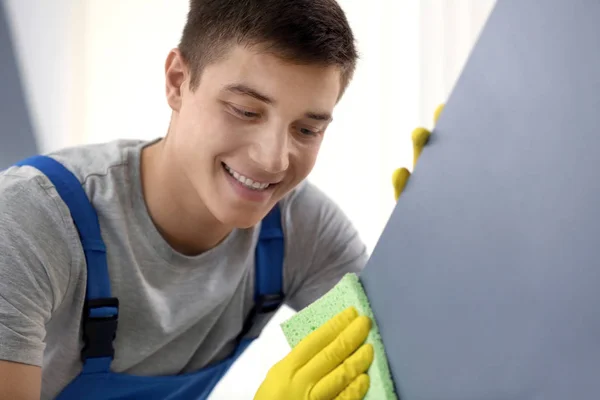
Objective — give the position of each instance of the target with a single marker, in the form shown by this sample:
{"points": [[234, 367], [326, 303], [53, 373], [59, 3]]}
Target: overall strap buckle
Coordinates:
{"points": [[100, 320], [260, 315]]}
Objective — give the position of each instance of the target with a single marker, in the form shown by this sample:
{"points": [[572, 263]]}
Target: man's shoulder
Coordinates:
{"points": [[314, 221], [308, 204], [99, 158], [305, 197], [26, 191], [82, 160]]}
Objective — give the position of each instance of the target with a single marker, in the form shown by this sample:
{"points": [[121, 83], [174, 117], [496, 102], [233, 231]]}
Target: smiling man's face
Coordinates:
{"points": [[251, 130]]}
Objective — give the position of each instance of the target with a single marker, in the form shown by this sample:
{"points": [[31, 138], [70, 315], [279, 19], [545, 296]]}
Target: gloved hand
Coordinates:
{"points": [[330, 363], [420, 136]]}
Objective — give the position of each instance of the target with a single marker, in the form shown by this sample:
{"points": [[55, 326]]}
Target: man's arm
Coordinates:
{"points": [[20, 381], [325, 246], [321, 247], [33, 237]]}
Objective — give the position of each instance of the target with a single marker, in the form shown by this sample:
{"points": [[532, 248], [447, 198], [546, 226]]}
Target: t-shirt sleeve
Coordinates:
{"points": [[34, 265], [322, 245]]}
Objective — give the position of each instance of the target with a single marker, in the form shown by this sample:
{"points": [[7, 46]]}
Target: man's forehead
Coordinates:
{"points": [[267, 78], [242, 64]]}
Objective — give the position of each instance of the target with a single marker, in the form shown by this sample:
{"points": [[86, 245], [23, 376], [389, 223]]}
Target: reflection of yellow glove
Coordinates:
{"points": [[328, 364], [420, 136]]}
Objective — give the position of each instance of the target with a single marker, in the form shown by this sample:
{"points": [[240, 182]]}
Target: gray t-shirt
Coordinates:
{"points": [[177, 313]]}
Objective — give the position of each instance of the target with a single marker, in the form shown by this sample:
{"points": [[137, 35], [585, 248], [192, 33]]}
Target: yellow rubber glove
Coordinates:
{"points": [[328, 364], [419, 137]]}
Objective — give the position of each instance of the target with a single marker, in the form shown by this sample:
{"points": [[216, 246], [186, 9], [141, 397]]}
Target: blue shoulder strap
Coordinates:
{"points": [[101, 309], [268, 276], [269, 258]]}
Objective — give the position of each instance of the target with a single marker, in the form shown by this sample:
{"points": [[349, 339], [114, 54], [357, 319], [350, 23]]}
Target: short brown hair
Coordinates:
{"points": [[298, 31]]}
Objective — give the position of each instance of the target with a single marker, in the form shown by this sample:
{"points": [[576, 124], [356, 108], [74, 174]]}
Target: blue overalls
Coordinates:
{"points": [[100, 314]]}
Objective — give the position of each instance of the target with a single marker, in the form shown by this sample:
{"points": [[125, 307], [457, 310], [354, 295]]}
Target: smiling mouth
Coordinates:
{"points": [[246, 182]]}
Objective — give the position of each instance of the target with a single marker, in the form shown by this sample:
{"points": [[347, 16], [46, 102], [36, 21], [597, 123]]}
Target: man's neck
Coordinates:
{"points": [[174, 206]]}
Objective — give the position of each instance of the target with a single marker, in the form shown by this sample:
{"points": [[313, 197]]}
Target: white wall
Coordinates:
{"points": [[96, 74], [127, 42], [448, 30], [48, 37]]}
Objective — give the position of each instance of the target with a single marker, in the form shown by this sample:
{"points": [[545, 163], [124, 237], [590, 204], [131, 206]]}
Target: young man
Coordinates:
{"points": [[178, 248]]}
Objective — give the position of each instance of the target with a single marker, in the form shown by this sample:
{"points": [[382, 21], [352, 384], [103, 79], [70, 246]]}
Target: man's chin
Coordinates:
{"points": [[235, 207]]}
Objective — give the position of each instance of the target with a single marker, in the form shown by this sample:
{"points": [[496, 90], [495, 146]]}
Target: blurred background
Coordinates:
{"points": [[87, 71]]}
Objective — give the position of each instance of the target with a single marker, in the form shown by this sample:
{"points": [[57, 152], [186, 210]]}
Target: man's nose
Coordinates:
{"points": [[270, 150]]}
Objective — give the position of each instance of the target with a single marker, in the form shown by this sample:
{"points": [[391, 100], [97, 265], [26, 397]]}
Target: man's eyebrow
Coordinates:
{"points": [[240, 88], [319, 116]]}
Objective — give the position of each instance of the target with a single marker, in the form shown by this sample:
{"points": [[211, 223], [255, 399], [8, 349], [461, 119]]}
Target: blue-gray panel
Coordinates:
{"points": [[486, 280], [17, 138]]}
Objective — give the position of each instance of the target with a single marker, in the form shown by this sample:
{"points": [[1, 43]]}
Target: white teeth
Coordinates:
{"points": [[249, 183]]}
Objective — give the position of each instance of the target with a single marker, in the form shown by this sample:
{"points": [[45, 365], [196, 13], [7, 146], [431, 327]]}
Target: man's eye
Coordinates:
{"points": [[308, 132], [244, 113]]}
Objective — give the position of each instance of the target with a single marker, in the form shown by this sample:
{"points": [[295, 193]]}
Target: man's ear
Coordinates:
{"points": [[176, 75]]}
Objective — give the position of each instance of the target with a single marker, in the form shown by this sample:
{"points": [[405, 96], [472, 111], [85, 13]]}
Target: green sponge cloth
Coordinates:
{"points": [[348, 292]]}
